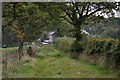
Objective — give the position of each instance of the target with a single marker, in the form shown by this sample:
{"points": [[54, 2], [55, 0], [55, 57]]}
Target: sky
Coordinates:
{"points": [[117, 14], [117, 0]]}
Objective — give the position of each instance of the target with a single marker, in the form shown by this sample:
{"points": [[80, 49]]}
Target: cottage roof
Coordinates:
{"points": [[51, 33]]}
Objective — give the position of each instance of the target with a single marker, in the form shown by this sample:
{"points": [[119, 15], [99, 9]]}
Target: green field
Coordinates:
{"points": [[52, 63]]}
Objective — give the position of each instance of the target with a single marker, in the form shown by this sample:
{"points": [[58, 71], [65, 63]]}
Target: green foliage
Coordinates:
{"points": [[64, 29], [114, 54], [108, 48], [100, 46], [29, 20], [67, 44], [92, 47], [64, 43], [76, 13], [77, 47]]}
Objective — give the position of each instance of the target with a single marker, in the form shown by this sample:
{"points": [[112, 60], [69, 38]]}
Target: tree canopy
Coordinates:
{"points": [[27, 20]]}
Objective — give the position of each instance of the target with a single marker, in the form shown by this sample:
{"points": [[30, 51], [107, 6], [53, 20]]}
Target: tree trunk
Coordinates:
{"points": [[77, 34], [20, 50]]}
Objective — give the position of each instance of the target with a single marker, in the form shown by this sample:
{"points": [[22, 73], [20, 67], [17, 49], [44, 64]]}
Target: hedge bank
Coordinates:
{"points": [[102, 52]]}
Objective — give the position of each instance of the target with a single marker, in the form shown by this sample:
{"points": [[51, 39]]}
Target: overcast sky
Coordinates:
{"points": [[117, 0], [117, 14]]}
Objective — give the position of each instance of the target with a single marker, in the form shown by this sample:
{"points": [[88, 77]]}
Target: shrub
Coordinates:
{"points": [[100, 46], [67, 44], [77, 47], [109, 48], [64, 43], [114, 53]]}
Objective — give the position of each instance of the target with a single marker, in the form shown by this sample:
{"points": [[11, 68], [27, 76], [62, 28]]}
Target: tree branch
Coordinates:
{"points": [[69, 15], [94, 12], [87, 10], [77, 8], [64, 17], [83, 9]]}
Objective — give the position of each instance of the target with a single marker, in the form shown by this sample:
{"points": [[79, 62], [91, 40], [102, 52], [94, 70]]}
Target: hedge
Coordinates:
{"points": [[102, 46], [99, 46], [108, 48]]}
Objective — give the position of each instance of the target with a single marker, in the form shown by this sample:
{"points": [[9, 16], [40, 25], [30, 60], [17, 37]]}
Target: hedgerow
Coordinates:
{"points": [[109, 48]]}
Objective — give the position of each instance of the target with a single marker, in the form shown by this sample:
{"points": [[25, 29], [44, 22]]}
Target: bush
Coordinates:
{"points": [[100, 46], [113, 53], [77, 47], [109, 48], [67, 44], [64, 43]]}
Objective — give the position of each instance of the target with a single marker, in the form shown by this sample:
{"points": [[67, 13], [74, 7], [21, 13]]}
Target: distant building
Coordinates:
{"points": [[52, 36]]}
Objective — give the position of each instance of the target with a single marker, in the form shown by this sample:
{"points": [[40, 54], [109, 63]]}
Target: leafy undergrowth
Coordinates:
{"points": [[52, 63], [59, 65]]}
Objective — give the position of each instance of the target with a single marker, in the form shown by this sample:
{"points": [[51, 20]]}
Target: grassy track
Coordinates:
{"points": [[52, 63]]}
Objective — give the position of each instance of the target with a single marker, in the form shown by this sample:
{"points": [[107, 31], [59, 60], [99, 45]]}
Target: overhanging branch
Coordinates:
{"points": [[87, 10], [64, 17], [83, 9], [77, 8], [68, 14], [94, 12]]}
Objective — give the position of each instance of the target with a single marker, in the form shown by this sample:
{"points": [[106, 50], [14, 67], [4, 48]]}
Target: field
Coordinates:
{"points": [[52, 63]]}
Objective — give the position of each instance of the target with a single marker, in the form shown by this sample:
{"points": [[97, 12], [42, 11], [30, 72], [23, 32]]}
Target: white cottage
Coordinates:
{"points": [[51, 36]]}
